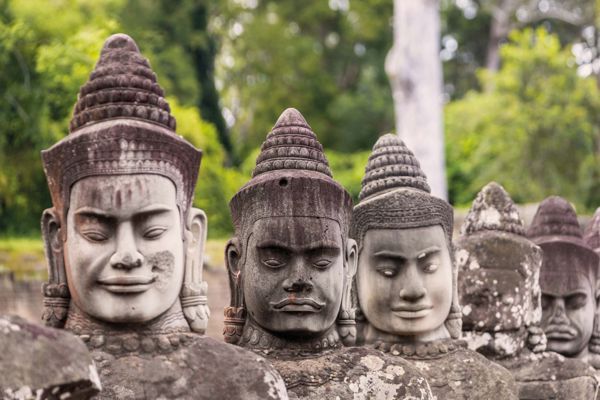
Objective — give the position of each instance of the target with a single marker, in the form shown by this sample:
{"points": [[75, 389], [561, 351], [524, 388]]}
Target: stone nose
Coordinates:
{"points": [[412, 289], [297, 286], [126, 255], [559, 315]]}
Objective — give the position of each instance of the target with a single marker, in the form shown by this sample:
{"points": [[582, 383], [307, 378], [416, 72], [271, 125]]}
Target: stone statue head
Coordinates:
{"points": [[291, 262], [498, 277], [406, 278], [592, 238], [123, 242], [567, 279]]}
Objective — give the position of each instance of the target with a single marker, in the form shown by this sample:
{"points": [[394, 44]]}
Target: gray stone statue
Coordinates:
{"points": [[592, 238], [499, 291], [291, 266], [406, 279], [125, 245], [568, 278]]}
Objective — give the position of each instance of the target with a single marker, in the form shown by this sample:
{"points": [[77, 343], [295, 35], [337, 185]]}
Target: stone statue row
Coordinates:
{"points": [[327, 300]]}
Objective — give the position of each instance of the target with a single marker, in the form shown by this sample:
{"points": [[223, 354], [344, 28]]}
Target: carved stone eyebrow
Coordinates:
{"points": [[397, 254], [92, 212], [309, 247]]}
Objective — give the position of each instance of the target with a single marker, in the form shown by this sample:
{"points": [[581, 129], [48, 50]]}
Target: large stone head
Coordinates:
{"points": [[567, 278], [592, 239], [498, 276], [122, 239], [406, 280], [290, 262]]}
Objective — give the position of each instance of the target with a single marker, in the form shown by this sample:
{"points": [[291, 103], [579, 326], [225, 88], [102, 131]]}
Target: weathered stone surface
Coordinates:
{"points": [[406, 283], [498, 277], [455, 372], [125, 247], [291, 265], [37, 362], [183, 366], [500, 294], [350, 373], [549, 375]]}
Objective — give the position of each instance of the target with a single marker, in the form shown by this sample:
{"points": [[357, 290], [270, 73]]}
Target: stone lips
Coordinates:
{"points": [[493, 210], [392, 165], [122, 85], [121, 125], [291, 178]]}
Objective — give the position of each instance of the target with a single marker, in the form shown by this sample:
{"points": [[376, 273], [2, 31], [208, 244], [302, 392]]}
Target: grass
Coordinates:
{"points": [[24, 257]]}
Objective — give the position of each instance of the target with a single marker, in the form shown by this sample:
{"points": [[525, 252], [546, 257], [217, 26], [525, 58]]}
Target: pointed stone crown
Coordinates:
{"points": [[291, 178], [291, 144], [555, 216], [392, 165], [121, 125], [121, 85], [591, 235], [493, 210]]}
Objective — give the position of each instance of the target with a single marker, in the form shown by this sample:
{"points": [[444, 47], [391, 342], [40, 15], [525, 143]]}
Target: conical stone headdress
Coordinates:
{"points": [[291, 178], [121, 125], [395, 195], [493, 210]]}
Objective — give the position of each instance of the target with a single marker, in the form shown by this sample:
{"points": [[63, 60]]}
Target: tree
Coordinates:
{"points": [[415, 72], [536, 132]]}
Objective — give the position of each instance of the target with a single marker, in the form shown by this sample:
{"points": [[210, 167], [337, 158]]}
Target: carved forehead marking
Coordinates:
{"points": [[297, 232], [123, 192]]}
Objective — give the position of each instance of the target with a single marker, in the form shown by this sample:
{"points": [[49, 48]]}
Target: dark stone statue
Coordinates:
{"points": [[592, 238], [567, 278], [291, 266], [406, 279], [37, 362], [499, 290], [125, 245]]}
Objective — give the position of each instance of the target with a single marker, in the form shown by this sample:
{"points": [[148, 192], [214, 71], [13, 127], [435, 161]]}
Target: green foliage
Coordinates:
{"points": [[326, 62], [216, 184], [535, 130], [348, 169]]}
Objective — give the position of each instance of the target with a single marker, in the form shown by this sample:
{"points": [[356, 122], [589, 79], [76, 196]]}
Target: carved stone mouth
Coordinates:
{"points": [[298, 304], [127, 284], [412, 311], [560, 332]]}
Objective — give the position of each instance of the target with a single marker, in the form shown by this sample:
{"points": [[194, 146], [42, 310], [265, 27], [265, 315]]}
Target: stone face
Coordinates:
{"points": [[500, 296], [406, 285], [567, 279], [41, 362], [291, 265], [125, 247]]}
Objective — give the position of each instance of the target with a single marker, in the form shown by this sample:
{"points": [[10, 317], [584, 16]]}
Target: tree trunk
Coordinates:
{"points": [[415, 72]]}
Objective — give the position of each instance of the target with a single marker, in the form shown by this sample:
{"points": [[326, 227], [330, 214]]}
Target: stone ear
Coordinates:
{"points": [[194, 291], [235, 314], [55, 291], [351, 257], [346, 324], [233, 255]]}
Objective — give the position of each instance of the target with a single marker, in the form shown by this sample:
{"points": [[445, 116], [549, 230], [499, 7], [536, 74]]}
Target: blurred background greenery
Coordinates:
{"points": [[522, 104]]}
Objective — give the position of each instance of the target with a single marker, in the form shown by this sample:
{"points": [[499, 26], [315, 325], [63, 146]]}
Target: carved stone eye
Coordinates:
{"points": [[322, 263], [272, 263]]}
